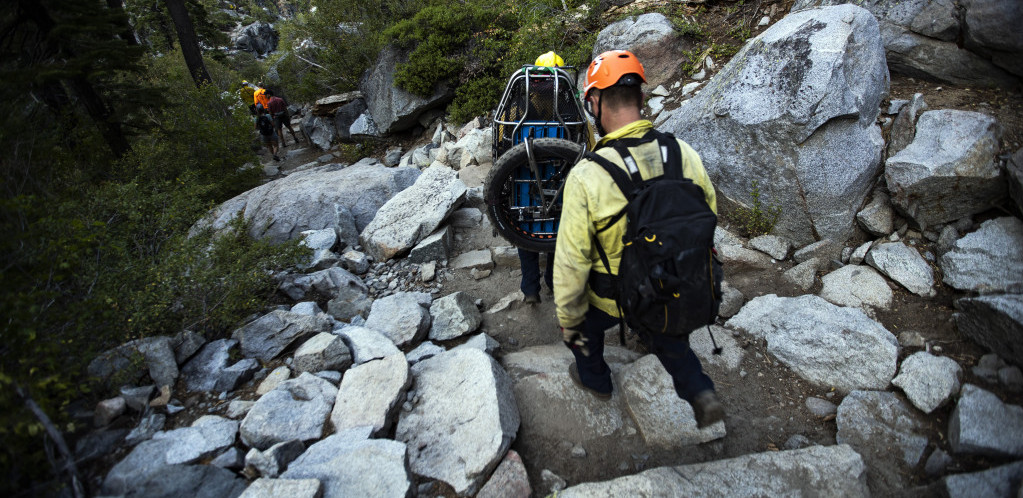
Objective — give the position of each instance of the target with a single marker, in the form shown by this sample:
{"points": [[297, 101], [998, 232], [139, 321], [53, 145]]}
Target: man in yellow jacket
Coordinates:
{"points": [[614, 98]]}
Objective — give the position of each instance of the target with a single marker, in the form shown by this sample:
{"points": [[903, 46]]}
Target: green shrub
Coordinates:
{"points": [[758, 219]]}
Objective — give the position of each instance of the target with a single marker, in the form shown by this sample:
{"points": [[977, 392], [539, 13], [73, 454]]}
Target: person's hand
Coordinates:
{"points": [[574, 339]]}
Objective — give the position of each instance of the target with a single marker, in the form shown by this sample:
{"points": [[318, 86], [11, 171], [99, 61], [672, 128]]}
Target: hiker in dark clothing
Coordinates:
{"points": [[588, 218], [265, 125], [278, 109]]}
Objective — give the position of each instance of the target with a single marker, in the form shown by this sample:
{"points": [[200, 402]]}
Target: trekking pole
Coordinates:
{"points": [[717, 349]]}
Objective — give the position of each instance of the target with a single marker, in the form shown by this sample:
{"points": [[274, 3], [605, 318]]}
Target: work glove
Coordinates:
{"points": [[575, 339]]}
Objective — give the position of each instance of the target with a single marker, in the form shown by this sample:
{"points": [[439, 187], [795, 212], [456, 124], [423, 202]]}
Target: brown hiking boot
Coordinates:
{"points": [[573, 372], [531, 299], [708, 409]]}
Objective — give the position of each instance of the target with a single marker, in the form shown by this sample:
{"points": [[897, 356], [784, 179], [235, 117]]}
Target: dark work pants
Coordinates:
{"points": [[529, 261], [673, 352]]}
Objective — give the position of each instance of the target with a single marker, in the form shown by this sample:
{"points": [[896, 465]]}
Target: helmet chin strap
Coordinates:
{"points": [[600, 127]]}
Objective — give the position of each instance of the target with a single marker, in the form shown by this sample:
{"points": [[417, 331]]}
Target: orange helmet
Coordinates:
{"points": [[611, 68]]}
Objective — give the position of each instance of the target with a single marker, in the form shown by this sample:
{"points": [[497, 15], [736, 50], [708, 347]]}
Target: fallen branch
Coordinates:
{"points": [[69, 462]]}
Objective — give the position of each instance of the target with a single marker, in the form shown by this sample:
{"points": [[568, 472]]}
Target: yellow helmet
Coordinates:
{"points": [[550, 59]]}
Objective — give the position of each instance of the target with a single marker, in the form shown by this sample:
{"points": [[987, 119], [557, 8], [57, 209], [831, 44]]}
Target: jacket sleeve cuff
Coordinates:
{"points": [[573, 327]]}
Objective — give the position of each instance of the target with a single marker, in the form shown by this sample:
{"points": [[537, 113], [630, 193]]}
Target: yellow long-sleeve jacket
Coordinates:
{"points": [[591, 199]]}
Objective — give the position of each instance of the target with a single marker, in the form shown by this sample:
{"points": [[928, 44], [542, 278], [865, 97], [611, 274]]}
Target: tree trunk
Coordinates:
{"points": [[188, 42]]}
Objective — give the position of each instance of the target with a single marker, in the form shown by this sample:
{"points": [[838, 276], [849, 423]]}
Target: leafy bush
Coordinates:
{"points": [[758, 219]]}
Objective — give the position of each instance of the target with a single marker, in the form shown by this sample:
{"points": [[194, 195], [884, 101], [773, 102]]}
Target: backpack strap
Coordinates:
{"points": [[625, 184]]}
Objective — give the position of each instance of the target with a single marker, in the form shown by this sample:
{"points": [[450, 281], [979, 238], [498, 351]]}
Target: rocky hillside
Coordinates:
{"points": [[872, 343]]}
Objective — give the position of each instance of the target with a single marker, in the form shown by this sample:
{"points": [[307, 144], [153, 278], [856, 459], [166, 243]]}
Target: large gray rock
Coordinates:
{"points": [[275, 459], [464, 421], [269, 335], [652, 38], [392, 108], [999, 481], [950, 170], [996, 322], [475, 147], [435, 247], [821, 342], [541, 381], [292, 488], [324, 351], [321, 242], [206, 437], [663, 419], [346, 115], [453, 316], [982, 424], [731, 353], [904, 265], [325, 197], [156, 354], [329, 105], [928, 381], [198, 481], [320, 130], [400, 318], [824, 471], [209, 370], [349, 303], [815, 79], [258, 38], [509, 480], [343, 462], [370, 394], [990, 31], [988, 260], [921, 39], [867, 417], [324, 283], [414, 213], [367, 344], [857, 286], [772, 245], [296, 409]]}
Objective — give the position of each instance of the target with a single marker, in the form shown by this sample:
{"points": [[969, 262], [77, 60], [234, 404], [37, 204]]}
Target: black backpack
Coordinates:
{"points": [[669, 280], [266, 125]]}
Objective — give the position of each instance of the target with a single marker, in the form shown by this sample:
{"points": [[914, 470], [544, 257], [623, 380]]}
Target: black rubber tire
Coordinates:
{"points": [[556, 153]]}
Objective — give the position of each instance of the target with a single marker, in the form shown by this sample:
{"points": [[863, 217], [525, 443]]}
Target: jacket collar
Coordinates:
{"points": [[634, 129]]}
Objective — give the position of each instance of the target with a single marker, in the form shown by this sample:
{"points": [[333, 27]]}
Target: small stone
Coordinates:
{"points": [[911, 339], [107, 410], [796, 442], [937, 462], [988, 375], [238, 408], [163, 398], [552, 482], [578, 452], [1011, 378], [137, 398], [992, 361], [820, 407]]}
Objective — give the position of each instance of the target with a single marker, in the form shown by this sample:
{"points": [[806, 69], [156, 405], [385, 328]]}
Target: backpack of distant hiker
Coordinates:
{"points": [[669, 279], [266, 125]]}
